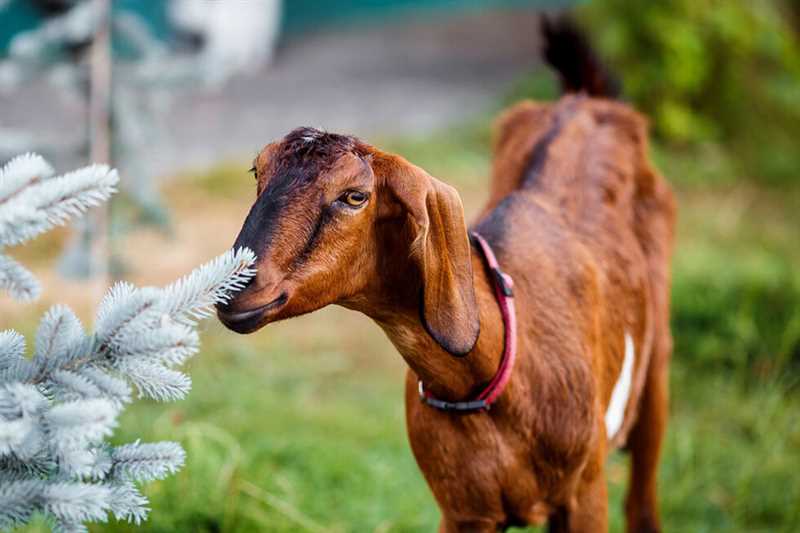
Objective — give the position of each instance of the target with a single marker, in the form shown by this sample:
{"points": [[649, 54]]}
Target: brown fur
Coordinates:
{"points": [[581, 221]]}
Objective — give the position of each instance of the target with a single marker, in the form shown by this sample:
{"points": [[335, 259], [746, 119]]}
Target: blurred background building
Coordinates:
{"points": [[238, 74], [182, 84]]}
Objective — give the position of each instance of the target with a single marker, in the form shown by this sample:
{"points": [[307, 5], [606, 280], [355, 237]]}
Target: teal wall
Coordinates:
{"points": [[22, 15], [298, 15]]}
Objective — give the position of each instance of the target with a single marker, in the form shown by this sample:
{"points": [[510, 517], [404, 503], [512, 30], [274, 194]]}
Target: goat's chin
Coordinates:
{"points": [[242, 327]]}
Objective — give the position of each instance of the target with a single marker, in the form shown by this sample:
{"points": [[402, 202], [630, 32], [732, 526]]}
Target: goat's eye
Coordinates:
{"points": [[253, 171], [353, 198]]}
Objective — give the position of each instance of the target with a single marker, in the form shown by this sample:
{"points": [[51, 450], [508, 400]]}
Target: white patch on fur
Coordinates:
{"points": [[622, 390]]}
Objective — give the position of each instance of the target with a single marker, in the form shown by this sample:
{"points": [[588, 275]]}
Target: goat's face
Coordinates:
{"points": [[332, 214], [308, 226]]}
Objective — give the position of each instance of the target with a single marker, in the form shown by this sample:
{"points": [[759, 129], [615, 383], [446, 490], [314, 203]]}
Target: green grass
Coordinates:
{"points": [[312, 439], [287, 440], [300, 427]]}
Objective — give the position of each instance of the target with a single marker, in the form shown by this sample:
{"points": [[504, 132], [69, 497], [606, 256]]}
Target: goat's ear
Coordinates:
{"points": [[441, 250]]}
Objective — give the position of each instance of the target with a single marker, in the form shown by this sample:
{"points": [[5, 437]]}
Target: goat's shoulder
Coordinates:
{"points": [[516, 131], [518, 119], [529, 119]]}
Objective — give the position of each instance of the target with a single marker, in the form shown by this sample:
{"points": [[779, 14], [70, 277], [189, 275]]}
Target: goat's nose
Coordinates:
{"points": [[266, 277], [227, 305], [248, 283]]}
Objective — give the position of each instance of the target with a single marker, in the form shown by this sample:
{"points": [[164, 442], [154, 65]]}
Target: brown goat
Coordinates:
{"points": [[581, 221]]}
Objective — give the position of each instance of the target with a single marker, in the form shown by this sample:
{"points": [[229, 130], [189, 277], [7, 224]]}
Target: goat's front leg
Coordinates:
{"points": [[588, 512]]}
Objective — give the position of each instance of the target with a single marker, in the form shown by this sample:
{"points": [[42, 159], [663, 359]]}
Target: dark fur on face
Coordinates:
{"points": [[303, 155], [309, 151]]}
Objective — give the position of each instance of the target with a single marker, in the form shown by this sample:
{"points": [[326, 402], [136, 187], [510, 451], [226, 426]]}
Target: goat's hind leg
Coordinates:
{"points": [[655, 229], [644, 443]]}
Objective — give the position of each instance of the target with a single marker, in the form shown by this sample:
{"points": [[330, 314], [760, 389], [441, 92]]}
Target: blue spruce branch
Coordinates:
{"points": [[58, 408]]}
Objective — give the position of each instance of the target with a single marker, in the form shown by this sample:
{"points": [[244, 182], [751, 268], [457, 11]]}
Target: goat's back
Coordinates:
{"points": [[571, 181]]}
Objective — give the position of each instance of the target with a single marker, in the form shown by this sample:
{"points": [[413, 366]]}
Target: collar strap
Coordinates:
{"points": [[504, 294]]}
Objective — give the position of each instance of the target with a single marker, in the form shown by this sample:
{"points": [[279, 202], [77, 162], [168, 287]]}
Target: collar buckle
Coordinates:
{"points": [[504, 282], [443, 405]]}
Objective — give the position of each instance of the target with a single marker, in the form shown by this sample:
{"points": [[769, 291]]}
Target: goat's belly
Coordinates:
{"points": [[627, 388], [621, 393]]}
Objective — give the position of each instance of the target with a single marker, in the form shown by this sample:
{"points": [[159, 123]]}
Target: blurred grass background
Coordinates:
{"points": [[300, 427]]}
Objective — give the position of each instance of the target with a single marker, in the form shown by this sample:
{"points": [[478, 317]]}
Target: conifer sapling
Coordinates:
{"points": [[58, 407]]}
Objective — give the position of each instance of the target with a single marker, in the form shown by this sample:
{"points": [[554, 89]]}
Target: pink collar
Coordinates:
{"points": [[505, 298]]}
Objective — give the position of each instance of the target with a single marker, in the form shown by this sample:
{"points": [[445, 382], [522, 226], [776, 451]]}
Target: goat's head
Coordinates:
{"points": [[334, 218]]}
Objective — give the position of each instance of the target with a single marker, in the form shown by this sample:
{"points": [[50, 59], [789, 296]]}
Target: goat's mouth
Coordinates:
{"points": [[252, 319]]}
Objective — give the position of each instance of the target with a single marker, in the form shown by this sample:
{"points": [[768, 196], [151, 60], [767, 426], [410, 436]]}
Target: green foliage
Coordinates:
{"points": [[290, 438], [540, 84], [730, 455], [711, 71], [736, 285], [744, 321]]}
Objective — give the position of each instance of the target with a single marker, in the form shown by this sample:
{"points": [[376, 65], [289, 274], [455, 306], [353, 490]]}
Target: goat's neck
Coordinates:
{"points": [[395, 307]]}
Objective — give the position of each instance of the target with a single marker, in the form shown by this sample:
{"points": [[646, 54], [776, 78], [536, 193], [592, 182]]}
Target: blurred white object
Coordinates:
{"points": [[237, 36]]}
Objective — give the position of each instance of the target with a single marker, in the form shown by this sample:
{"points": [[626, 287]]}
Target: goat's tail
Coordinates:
{"points": [[567, 49]]}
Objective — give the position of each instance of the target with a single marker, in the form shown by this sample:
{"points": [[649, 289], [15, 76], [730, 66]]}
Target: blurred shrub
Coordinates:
{"points": [[744, 319], [537, 85], [710, 71]]}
